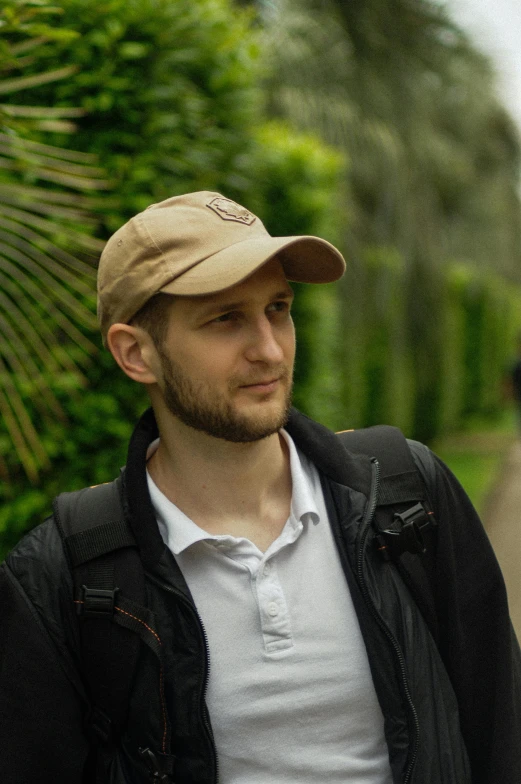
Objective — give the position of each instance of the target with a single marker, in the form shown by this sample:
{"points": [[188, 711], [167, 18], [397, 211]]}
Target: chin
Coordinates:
{"points": [[269, 416]]}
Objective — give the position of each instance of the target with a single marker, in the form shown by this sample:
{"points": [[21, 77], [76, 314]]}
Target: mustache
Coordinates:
{"points": [[280, 372]]}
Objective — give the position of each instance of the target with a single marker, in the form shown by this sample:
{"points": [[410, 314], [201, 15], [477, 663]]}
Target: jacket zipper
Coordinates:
{"points": [[204, 690], [366, 527]]}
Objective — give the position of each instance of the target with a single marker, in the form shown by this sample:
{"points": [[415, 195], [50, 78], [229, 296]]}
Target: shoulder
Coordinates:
{"points": [[443, 488], [39, 575], [39, 551]]}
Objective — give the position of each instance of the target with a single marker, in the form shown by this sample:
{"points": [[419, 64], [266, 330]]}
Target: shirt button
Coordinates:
{"points": [[273, 609], [266, 570]]}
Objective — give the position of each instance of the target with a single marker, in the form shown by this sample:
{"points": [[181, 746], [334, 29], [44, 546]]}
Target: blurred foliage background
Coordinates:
{"points": [[374, 125]]}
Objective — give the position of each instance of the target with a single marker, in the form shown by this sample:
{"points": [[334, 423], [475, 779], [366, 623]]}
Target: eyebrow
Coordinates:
{"points": [[237, 304]]}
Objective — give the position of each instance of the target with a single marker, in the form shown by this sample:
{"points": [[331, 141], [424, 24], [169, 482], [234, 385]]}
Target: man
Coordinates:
{"points": [[515, 384], [254, 529]]}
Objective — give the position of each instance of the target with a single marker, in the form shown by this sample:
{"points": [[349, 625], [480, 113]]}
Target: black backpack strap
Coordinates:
{"points": [[405, 524], [110, 600], [399, 478], [109, 596]]}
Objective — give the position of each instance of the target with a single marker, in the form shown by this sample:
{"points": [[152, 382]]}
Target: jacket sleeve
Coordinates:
{"points": [[41, 735], [476, 638]]}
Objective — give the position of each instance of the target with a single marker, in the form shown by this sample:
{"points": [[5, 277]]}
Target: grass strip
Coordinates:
{"points": [[476, 455]]}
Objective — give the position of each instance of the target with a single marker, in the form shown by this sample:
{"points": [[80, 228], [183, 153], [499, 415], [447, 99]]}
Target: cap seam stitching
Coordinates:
{"points": [[152, 240]]}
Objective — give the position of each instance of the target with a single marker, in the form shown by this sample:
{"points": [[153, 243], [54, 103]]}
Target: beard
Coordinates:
{"points": [[196, 406]]}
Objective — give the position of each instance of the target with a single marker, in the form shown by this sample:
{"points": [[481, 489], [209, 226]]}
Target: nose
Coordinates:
{"points": [[264, 345]]}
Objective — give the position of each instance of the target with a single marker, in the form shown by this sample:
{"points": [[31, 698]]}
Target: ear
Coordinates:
{"points": [[134, 351]]}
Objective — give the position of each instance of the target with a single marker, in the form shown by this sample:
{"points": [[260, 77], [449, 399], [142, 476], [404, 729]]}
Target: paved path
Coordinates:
{"points": [[502, 520]]}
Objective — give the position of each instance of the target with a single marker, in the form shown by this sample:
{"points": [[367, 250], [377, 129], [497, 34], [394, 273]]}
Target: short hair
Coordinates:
{"points": [[153, 317]]}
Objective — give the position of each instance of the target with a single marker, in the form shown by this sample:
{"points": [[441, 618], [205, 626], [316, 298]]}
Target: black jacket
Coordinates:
{"points": [[452, 710]]}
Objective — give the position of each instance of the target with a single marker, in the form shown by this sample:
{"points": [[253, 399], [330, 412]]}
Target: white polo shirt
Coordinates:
{"points": [[290, 694]]}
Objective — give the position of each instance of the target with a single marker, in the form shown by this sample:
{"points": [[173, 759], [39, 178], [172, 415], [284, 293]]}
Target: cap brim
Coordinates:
{"points": [[304, 259]]}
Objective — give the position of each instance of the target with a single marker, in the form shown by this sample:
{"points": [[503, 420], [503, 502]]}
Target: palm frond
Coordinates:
{"points": [[47, 249], [35, 80]]}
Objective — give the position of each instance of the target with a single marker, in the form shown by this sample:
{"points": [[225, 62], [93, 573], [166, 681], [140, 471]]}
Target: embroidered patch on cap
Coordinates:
{"points": [[229, 210]]}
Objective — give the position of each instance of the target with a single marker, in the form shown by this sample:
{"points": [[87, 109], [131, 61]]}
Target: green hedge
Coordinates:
{"points": [[171, 90], [489, 318], [386, 362], [452, 322], [421, 348], [377, 382]]}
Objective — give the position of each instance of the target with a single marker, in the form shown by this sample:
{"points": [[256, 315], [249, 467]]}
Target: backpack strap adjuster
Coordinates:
{"points": [[160, 766], [96, 602]]}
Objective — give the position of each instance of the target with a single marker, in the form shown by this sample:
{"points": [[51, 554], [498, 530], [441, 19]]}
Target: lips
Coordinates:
{"points": [[262, 383], [265, 385]]}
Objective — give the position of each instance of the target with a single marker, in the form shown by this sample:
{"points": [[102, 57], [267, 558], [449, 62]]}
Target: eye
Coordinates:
{"points": [[281, 306], [231, 316]]}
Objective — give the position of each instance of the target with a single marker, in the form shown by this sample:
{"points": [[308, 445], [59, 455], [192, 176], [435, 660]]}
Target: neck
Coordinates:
{"points": [[224, 487]]}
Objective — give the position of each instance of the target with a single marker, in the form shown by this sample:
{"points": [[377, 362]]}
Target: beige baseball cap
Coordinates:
{"points": [[195, 244]]}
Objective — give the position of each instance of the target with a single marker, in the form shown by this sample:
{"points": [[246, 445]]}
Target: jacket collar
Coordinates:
{"points": [[329, 455], [316, 441]]}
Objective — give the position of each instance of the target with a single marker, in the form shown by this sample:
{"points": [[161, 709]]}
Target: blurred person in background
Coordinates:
{"points": [[515, 384]]}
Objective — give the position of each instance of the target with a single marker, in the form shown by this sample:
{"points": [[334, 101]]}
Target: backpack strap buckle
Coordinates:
{"points": [[408, 535], [96, 602]]}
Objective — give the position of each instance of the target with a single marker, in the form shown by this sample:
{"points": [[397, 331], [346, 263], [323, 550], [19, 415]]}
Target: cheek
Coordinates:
{"points": [[289, 342], [212, 362]]}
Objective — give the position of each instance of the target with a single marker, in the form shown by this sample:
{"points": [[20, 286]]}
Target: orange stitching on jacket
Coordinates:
{"points": [[139, 621], [161, 681], [161, 677]]}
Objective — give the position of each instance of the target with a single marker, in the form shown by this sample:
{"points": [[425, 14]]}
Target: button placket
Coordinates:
{"points": [[273, 611]]}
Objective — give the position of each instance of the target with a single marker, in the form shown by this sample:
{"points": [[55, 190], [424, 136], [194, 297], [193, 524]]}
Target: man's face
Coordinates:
{"points": [[227, 361]]}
